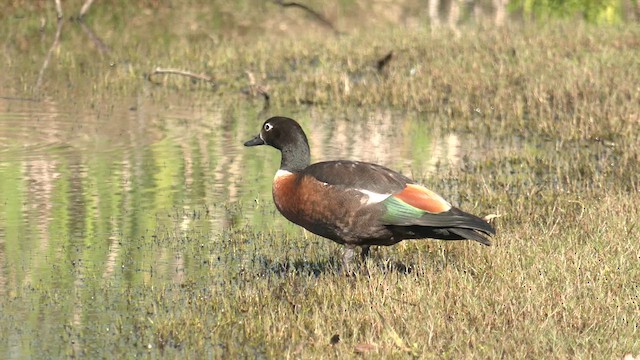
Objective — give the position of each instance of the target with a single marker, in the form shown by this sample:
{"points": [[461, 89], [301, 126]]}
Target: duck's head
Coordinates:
{"points": [[280, 132], [286, 135]]}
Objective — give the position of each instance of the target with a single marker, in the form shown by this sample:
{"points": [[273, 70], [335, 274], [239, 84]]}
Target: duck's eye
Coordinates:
{"points": [[268, 126]]}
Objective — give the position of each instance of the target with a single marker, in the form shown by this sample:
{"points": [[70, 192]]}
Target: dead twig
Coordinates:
{"points": [[97, 41], [56, 43], [324, 21], [383, 62], [102, 47], [59, 12], [256, 89], [12, 98], [168, 71], [489, 218], [85, 7]]}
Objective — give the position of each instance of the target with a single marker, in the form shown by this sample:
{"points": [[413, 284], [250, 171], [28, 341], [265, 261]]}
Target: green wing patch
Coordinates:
{"points": [[400, 213]]}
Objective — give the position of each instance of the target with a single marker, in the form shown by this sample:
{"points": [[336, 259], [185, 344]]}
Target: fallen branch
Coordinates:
{"points": [[59, 10], [256, 89], [382, 63], [161, 71], [13, 98], [56, 42], [324, 21], [85, 7], [489, 218], [100, 45]]}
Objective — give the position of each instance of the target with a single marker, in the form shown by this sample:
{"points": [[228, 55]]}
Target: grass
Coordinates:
{"points": [[569, 80], [562, 280]]}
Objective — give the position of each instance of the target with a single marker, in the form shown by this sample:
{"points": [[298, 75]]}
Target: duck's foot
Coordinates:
{"points": [[364, 252], [349, 262]]}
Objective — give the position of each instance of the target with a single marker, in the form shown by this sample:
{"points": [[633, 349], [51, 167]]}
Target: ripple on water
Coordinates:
{"points": [[99, 186], [33, 130]]}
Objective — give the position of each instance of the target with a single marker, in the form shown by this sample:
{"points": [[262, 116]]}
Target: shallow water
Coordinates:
{"points": [[102, 205], [107, 198], [141, 226], [71, 177]]}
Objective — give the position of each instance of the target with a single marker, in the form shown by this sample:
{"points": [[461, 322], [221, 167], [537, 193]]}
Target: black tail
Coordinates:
{"points": [[473, 228], [453, 224], [472, 235]]}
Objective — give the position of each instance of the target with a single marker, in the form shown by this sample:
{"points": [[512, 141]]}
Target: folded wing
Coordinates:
{"points": [[417, 206]]}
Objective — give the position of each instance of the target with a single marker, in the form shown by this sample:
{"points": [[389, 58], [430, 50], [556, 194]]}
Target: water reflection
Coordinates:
{"points": [[139, 193], [85, 186]]}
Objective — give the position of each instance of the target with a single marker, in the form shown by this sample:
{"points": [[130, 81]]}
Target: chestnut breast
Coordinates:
{"points": [[339, 214]]}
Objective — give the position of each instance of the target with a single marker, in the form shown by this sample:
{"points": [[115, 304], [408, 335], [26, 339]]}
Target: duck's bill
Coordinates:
{"points": [[255, 141]]}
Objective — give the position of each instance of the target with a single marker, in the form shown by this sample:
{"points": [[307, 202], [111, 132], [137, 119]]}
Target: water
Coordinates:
{"points": [[97, 178], [127, 223], [103, 201]]}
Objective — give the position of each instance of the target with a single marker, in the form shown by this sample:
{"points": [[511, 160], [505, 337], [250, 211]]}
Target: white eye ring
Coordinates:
{"points": [[268, 126]]}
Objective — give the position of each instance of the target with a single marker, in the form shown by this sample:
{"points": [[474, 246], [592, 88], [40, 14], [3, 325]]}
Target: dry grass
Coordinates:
{"points": [[566, 80], [562, 280]]}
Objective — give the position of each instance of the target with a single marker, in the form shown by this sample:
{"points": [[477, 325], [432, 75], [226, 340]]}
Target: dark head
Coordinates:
{"points": [[286, 135]]}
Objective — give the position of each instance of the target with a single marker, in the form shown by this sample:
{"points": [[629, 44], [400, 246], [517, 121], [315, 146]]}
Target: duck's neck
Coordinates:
{"points": [[295, 156]]}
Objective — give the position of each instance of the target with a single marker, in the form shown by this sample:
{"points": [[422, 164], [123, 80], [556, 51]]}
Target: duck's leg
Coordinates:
{"points": [[347, 258], [364, 252]]}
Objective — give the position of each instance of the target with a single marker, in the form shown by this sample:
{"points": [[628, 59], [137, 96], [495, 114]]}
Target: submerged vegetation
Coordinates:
{"points": [[554, 107]]}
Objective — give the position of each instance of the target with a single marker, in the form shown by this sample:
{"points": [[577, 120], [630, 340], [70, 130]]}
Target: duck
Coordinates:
{"points": [[358, 204]]}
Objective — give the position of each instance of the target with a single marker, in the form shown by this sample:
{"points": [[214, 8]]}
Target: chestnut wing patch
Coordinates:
{"points": [[423, 199]]}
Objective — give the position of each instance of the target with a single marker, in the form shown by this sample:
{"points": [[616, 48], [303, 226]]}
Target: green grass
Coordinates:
{"points": [[561, 281], [567, 80]]}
